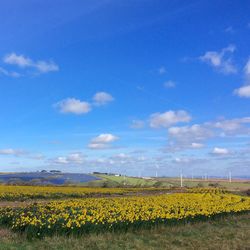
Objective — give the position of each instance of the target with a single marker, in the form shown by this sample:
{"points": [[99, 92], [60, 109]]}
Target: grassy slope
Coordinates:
{"points": [[118, 181], [228, 233], [234, 185], [113, 181]]}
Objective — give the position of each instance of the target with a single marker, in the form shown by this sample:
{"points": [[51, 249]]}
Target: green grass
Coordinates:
{"points": [[234, 185], [119, 181], [232, 232]]}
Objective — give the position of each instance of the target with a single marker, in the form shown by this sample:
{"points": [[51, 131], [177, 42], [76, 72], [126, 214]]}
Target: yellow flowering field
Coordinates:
{"points": [[101, 214], [53, 192], [206, 190]]}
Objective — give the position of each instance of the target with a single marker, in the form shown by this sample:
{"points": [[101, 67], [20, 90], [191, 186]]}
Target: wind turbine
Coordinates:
{"points": [[181, 176], [156, 171]]}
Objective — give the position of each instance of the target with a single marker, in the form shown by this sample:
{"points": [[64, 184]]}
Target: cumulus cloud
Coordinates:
{"points": [[78, 107], [102, 98], [121, 156], [37, 157], [168, 118], [11, 151], [197, 145], [105, 138], [187, 161], [18, 60], [102, 141], [247, 69], [177, 145], [93, 145], [169, 84], [162, 70], [230, 30], [76, 158], [232, 126], [74, 106], [137, 124], [73, 158], [193, 136], [9, 73], [59, 160], [221, 60], [25, 62], [195, 132], [182, 160], [45, 67], [220, 151], [244, 91]]}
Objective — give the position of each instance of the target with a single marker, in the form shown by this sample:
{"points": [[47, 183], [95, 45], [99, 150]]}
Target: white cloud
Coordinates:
{"points": [[9, 73], [137, 124], [26, 62], [200, 132], [189, 133], [73, 158], [182, 145], [18, 60], [44, 67], [37, 157], [162, 70], [76, 158], [168, 118], [231, 126], [74, 106], [121, 156], [60, 160], [98, 145], [11, 151], [244, 91], [102, 98], [197, 145], [102, 141], [182, 160], [169, 84], [230, 30], [220, 151], [247, 69], [221, 60], [191, 137], [105, 138]]}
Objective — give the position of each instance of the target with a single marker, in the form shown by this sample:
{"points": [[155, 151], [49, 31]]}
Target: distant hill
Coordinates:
{"points": [[45, 178]]}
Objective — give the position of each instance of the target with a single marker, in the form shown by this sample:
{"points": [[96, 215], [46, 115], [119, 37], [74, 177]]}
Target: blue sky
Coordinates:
{"points": [[132, 87]]}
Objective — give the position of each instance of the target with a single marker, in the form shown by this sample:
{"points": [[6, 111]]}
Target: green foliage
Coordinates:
{"points": [[231, 232]]}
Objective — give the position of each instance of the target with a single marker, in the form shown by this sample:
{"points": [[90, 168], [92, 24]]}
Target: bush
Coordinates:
{"points": [[248, 192], [213, 184], [200, 184]]}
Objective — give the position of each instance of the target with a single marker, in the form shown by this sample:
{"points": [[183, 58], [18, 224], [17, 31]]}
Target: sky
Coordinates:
{"points": [[137, 87]]}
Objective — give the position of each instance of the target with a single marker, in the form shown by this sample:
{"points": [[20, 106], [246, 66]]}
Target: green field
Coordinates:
{"points": [[234, 185], [227, 233], [121, 181]]}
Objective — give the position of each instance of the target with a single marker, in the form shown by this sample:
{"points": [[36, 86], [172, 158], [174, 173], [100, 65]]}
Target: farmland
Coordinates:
{"points": [[14, 193], [34, 215], [224, 233]]}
